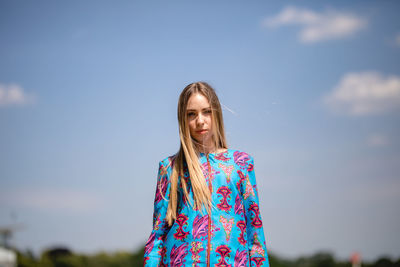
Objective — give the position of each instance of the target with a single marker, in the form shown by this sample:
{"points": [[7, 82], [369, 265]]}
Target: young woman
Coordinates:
{"points": [[206, 208]]}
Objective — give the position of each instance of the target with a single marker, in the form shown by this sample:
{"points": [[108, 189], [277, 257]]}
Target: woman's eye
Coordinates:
{"points": [[191, 114], [208, 111]]}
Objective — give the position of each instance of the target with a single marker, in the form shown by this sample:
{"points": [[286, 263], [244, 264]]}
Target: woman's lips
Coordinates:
{"points": [[202, 131]]}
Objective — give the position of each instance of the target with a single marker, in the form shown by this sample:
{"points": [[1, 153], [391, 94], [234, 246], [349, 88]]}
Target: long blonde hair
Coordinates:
{"points": [[189, 153]]}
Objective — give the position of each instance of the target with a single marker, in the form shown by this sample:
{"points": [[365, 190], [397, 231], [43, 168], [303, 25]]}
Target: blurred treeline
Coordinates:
{"points": [[62, 257]]}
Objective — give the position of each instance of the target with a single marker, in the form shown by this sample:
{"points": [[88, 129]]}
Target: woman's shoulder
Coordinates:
{"points": [[242, 159], [237, 153], [165, 167], [167, 161]]}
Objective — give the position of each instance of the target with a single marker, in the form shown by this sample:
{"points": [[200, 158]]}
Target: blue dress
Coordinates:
{"points": [[232, 236]]}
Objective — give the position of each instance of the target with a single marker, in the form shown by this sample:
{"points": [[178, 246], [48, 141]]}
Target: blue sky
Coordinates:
{"points": [[311, 89]]}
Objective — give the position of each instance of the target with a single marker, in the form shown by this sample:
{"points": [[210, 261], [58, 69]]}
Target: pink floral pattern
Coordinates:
{"points": [[234, 229]]}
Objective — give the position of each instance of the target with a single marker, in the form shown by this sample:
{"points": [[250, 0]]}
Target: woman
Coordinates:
{"points": [[206, 208]]}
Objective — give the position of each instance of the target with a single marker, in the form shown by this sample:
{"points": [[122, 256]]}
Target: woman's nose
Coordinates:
{"points": [[200, 119]]}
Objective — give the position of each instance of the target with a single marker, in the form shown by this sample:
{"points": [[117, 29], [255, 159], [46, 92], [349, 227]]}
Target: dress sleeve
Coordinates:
{"points": [[254, 226], [153, 251]]}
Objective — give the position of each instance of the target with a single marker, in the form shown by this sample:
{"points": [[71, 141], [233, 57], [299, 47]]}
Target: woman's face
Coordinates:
{"points": [[199, 118]]}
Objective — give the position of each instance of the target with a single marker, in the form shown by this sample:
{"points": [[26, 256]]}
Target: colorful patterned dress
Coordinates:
{"points": [[232, 236]]}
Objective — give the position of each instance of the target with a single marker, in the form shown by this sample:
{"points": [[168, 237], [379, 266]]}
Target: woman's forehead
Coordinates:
{"points": [[198, 102]]}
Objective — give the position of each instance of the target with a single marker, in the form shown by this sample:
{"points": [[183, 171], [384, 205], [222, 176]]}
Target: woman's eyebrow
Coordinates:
{"points": [[195, 109]]}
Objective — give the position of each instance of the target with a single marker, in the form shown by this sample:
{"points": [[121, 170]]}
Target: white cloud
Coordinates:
{"points": [[13, 94], [317, 26], [365, 93], [53, 199], [377, 140]]}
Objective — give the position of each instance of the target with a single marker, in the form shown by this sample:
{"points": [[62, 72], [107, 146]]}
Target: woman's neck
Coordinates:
{"points": [[213, 150], [206, 149]]}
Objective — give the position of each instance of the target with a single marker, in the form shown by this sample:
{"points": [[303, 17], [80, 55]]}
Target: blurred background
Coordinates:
{"points": [[88, 98]]}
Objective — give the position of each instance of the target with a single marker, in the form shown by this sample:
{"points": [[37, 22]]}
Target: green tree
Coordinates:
{"points": [[384, 262]]}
